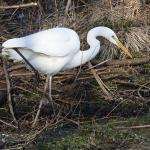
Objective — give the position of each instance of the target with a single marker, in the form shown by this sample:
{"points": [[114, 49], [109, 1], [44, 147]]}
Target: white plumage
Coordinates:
{"points": [[58, 49], [48, 51]]}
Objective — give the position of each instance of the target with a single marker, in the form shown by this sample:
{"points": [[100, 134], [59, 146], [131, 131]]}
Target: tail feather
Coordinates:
{"points": [[16, 42], [12, 54]]}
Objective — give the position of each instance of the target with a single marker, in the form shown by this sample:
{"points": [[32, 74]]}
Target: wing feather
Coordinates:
{"points": [[53, 42]]}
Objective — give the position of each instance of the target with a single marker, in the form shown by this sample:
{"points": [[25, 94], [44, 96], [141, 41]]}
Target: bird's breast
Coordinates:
{"points": [[48, 64]]}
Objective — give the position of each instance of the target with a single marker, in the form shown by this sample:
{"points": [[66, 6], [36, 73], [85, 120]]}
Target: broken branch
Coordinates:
{"points": [[19, 6], [133, 62], [100, 82], [8, 90]]}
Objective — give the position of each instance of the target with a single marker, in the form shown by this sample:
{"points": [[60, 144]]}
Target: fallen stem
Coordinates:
{"points": [[133, 62], [19, 6], [100, 82], [8, 124], [8, 90], [134, 127]]}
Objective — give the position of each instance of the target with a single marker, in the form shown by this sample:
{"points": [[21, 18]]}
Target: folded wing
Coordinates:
{"points": [[57, 42]]}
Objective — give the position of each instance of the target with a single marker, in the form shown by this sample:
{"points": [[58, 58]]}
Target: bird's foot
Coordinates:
{"points": [[43, 101], [51, 101]]}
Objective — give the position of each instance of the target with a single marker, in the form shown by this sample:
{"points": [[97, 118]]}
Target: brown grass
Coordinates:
{"points": [[130, 20]]}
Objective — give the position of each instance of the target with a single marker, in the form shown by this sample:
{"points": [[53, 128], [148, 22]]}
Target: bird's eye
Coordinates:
{"points": [[113, 36]]}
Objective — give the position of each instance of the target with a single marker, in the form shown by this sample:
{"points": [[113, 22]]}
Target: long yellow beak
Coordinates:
{"points": [[126, 51]]}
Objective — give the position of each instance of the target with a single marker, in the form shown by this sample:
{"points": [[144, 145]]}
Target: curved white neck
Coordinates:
{"points": [[84, 56]]}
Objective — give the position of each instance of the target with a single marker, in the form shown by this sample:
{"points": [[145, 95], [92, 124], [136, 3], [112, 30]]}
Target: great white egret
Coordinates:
{"points": [[58, 49]]}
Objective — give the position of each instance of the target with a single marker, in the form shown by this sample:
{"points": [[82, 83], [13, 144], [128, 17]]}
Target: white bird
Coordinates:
{"points": [[58, 49]]}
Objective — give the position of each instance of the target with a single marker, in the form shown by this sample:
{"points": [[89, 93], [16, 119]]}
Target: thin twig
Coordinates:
{"points": [[111, 8], [134, 127], [25, 59], [142, 86], [66, 11], [37, 114], [99, 64], [8, 124], [100, 82], [26, 90], [16, 67], [8, 90], [115, 108], [67, 7], [20, 74], [125, 62], [19, 6], [73, 121]]}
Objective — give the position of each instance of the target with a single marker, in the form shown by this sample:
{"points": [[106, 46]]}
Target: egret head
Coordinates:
{"points": [[112, 37]]}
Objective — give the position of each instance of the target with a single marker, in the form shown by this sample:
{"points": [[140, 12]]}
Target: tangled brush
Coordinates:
{"points": [[138, 39]]}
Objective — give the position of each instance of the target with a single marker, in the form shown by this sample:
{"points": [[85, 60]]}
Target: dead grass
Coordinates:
{"points": [[75, 95]]}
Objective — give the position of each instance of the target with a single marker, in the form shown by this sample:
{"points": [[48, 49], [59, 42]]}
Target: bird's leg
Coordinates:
{"points": [[46, 84], [43, 100], [50, 88], [50, 93], [38, 113]]}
